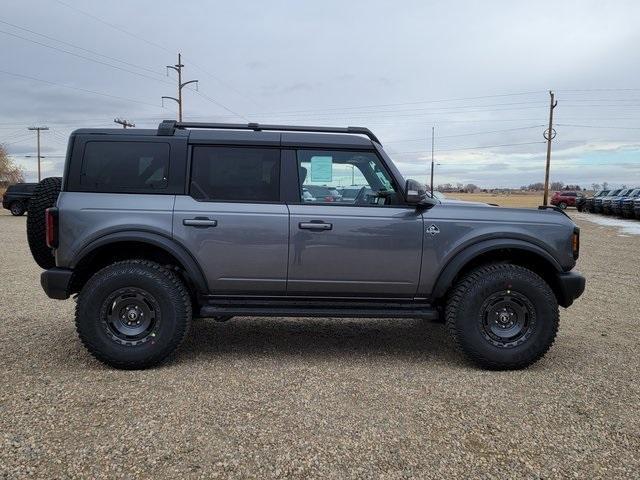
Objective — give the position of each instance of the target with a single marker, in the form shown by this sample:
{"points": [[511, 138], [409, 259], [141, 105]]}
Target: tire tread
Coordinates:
{"points": [[475, 277], [180, 293], [44, 196]]}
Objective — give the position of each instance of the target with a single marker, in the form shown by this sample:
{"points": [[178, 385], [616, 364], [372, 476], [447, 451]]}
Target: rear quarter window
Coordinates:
{"points": [[125, 167]]}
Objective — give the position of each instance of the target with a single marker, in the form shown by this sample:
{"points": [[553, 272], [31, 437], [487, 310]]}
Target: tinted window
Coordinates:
{"points": [[126, 167], [360, 177], [235, 174]]}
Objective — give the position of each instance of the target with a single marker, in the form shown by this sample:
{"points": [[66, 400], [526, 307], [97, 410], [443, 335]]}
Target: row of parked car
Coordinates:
{"points": [[624, 202]]}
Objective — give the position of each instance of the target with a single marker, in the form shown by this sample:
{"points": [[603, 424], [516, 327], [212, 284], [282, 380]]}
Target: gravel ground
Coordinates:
{"points": [[255, 398]]}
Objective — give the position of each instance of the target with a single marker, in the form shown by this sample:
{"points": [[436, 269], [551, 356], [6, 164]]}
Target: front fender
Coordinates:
{"points": [[448, 273]]}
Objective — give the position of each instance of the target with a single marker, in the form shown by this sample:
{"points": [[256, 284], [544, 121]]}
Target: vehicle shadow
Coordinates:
{"points": [[321, 338]]}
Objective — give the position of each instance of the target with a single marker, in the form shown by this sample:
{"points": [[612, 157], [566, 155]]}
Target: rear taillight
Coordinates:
{"points": [[51, 222], [575, 243]]}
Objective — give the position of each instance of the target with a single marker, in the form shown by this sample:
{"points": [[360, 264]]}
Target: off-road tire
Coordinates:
{"points": [[17, 208], [44, 196], [466, 322], [95, 308]]}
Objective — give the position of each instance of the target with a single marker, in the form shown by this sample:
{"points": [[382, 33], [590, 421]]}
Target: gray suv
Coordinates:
{"points": [[153, 227]]}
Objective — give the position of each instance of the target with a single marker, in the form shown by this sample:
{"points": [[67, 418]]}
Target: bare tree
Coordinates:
{"points": [[605, 185], [9, 172], [556, 185], [471, 188], [595, 187]]}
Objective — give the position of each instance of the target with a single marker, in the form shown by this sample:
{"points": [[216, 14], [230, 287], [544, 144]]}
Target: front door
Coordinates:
{"points": [[232, 220], [351, 235]]}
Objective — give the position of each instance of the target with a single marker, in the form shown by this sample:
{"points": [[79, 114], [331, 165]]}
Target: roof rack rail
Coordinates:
{"points": [[168, 127]]}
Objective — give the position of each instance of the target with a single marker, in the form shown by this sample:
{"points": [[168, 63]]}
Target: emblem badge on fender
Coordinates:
{"points": [[433, 229]]}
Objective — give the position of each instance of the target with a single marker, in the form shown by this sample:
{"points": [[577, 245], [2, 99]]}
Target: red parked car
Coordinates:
{"points": [[565, 199]]}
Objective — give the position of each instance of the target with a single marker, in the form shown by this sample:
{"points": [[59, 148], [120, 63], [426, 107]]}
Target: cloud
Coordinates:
{"points": [[477, 74]]}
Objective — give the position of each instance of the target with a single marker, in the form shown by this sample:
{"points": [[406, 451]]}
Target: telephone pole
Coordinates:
{"points": [[178, 68], [549, 135], [38, 130], [433, 134], [123, 122]]}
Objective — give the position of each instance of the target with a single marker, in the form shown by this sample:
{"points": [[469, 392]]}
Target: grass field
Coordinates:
{"points": [[518, 200]]}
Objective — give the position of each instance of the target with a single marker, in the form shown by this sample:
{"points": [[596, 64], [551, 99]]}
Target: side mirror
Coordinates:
{"points": [[416, 194]]}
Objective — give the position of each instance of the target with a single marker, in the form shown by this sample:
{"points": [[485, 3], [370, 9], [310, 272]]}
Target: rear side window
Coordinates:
{"points": [[125, 167], [235, 174]]}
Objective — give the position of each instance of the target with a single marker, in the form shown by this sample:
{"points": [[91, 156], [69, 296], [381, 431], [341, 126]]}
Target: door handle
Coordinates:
{"points": [[199, 222], [315, 225]]}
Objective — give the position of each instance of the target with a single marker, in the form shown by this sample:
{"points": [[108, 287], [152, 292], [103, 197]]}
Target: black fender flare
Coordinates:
{"points": [[180, 253], [470, 252]]}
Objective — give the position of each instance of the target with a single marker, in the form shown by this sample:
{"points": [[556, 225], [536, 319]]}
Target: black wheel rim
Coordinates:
{"points": [[507, 319], [131, 316], [16, 209]]}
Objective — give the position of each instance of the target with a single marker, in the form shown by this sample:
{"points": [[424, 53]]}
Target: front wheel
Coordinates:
{"points": [[562, 205], [133, 314], [502, 316]]}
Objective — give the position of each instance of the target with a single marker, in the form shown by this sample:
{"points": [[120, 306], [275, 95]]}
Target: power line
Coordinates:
{"points": [[365, 112], [225, 84], [221, 105], [470, 134], [602, 90], [418, 102], [84, 57], [597, 126], [116, 27], [17, 139], [153, 44], [77, 88], [93, 52], [469, 148]]}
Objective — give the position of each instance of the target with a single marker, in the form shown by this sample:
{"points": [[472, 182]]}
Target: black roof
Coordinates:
{"points": [[252, 134]]}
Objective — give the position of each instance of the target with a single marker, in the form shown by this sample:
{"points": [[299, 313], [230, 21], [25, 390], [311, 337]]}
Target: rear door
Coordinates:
{"points": [[233, 221], [366, 246]]}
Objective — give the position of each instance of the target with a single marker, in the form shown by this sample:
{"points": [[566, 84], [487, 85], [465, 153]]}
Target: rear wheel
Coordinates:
{"points": [[17, 208], [44, 196], [133, 314], [502, 316]]}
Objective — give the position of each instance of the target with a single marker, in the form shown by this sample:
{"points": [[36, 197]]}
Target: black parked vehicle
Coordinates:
{"points": [[16, 198], [636, 208], [626, 205], [581, 203], [590, 202], [598, 204], [609, 201], [618, 202]]}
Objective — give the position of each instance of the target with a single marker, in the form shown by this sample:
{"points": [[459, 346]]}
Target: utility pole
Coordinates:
{"points": [[549, 135], [38, 130], [433, 134], [178, 68], [123, 122]]}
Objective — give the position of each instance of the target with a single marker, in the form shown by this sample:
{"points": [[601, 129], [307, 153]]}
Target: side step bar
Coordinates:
{"points": [[358, 309]]}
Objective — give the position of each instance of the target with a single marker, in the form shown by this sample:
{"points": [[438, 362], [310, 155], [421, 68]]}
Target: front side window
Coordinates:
{"points": [[344, 178], [235, 174], [125, 167]]}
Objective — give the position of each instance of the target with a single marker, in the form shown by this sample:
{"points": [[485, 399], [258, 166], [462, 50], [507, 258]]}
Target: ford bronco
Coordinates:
{"points": [[148, 228]]}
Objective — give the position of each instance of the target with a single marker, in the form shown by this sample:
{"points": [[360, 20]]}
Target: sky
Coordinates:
{"points": [[479, 72]]}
